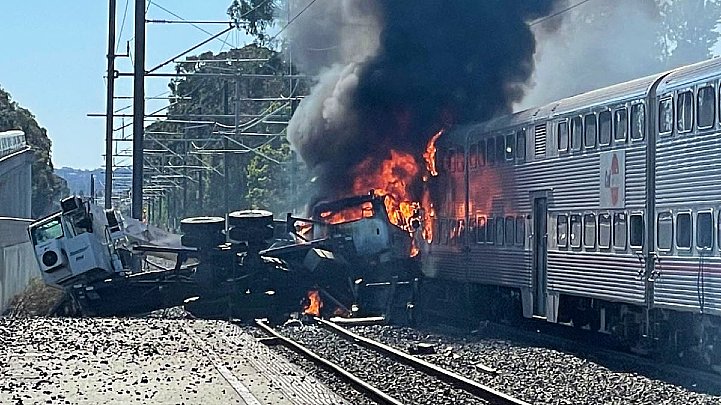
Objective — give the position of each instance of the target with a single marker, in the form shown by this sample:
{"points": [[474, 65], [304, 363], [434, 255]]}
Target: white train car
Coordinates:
{"points": [[602, 210]]}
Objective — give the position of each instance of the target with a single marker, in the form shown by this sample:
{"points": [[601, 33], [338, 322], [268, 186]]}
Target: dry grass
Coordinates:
{"points": [[37, 300]]}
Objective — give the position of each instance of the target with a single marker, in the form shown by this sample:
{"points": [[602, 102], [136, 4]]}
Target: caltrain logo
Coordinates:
{"points": [[612, 179], [612, 175]]}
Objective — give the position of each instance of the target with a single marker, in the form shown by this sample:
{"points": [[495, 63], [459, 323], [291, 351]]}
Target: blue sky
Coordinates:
{"points": [[54, 63]]}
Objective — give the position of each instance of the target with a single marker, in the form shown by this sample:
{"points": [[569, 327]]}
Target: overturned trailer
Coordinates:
{"points": [[246, 266]]}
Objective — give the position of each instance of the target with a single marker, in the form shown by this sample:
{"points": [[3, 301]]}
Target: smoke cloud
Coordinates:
{"points": [[597, 44], [391, 73], [600, 43]]}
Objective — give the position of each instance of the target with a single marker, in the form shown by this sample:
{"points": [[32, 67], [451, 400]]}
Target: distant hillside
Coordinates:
{"points": [[79, 180]]}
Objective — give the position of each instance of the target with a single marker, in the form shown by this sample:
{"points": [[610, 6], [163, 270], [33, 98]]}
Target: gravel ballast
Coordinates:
{"points": [[397, 380], [539, 374]]}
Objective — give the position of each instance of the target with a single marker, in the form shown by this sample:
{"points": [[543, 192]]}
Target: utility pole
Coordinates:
{"points": [[109, 107], [242, 179], [138, 109], [92, 188]]}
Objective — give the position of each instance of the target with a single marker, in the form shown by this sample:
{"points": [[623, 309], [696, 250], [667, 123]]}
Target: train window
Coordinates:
{"points": [[619, 230], [664, 225], [589, 130], [520, 231], [638, 122], [620, 124], [448, 162], [684, 111], [704, 230], [604, 231], [461, 231], [510, 230], [562, 230], [636, 228], [460, 160], [576, 133], [500, 148], [490, 233], [437, 231], [499, 231], [683, 230], [589, 231], [510, 151], [706, 107], [521, 144], [481, 230], [575, 225], [718, 235], [481, 153], [473, 156], [665, 116], [491, 151], [562, 134], [604, 128]]}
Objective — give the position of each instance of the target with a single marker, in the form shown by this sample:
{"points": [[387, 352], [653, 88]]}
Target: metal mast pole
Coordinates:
{"points": [[109, 106], [138, 109]]}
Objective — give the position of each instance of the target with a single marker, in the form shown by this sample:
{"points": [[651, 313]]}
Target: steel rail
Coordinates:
{"points": [[457, 380], [363, 386]]}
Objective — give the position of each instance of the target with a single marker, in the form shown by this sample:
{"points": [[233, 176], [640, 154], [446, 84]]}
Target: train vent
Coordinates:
{"points": [[540, 140]]}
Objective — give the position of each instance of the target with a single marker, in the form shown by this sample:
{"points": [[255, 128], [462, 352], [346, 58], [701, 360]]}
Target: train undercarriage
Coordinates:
{"points": [[685, 338]]}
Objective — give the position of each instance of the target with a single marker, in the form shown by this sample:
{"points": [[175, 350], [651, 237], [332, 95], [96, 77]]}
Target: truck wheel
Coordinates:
{"points": [[202, 231], [250, 225]]}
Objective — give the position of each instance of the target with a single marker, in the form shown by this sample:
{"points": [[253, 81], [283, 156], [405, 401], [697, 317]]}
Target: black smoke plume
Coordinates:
{"points": [[394, 72]]}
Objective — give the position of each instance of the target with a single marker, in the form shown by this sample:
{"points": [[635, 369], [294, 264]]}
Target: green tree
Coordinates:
{"points": [[47, 188], [254, 16], [688, 30], [201, 125]]}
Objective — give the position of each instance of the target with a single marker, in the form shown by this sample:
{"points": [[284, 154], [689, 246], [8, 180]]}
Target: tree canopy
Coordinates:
{"points": [[191, 152], [47, 188]]}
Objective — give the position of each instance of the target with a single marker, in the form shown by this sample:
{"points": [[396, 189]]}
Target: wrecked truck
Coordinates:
{"points": [[246, 265]]}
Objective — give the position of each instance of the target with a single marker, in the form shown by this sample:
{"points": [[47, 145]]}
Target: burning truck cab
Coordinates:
{"points": [[364, 221]]}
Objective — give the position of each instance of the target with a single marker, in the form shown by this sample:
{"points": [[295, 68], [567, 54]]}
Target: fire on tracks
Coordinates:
{"points": [[431, 379]]}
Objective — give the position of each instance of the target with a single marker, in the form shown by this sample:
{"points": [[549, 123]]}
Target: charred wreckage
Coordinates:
{"points": [[348, 259]]}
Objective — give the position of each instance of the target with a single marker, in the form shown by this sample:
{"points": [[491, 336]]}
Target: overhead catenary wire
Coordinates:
{"points": [[290, 21], [122, 26], [556, 14]]}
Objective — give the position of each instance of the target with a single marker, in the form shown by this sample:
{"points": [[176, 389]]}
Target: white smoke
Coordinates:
{"points": [[330, 41], [597, 44]]}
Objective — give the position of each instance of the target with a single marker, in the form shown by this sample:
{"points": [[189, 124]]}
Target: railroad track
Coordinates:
{"points": [[385, 374]]}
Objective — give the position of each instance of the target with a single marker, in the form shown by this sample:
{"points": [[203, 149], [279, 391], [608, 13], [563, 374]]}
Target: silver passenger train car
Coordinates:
{"points": [[602, 210], [11, 141]]}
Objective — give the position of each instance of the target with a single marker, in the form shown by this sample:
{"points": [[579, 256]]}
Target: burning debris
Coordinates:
{"points": [[314, 304], [394, 74]]}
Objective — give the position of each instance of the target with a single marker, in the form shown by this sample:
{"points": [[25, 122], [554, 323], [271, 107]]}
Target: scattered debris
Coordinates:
{"points": [[422, 348]]}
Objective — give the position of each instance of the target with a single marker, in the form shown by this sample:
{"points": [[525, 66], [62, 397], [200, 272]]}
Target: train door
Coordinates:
{"points": [[539, 246]]}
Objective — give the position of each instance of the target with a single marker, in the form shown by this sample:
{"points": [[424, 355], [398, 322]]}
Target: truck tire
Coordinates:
{"points": [[250, 225], [202, 231]]}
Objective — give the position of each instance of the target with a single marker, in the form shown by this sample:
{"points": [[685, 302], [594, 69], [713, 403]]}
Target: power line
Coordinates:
{"points": [[556, 14], [293, 19], [122, 25]]}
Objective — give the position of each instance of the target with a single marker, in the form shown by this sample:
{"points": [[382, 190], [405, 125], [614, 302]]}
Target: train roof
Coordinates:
{"points": [[12, 132], [691, 74], [617, 93]]}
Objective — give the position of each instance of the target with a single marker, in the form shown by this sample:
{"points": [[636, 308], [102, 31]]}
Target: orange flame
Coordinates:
{"points": [[348, 214], [391, 179], [430, 154], [314, 304]]}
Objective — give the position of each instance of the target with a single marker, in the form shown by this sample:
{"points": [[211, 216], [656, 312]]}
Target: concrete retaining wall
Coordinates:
{"points": [[16, 184], [17, 259]]}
